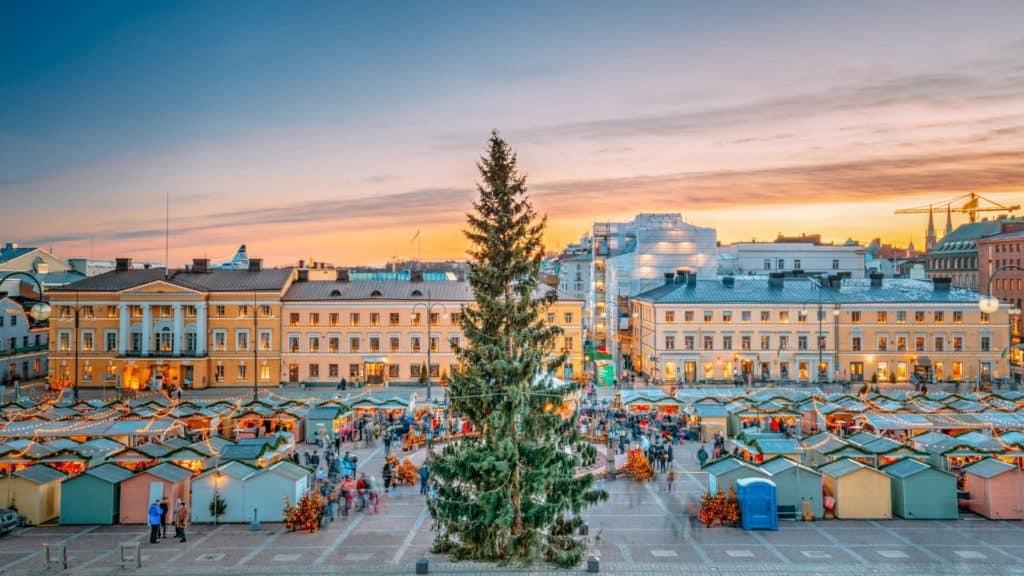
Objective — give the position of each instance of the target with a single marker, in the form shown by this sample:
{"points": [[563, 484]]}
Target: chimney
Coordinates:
{"points": [[776, 280], [669, 278], [200, 265], [122, 264], [416, 275], [941, 284], [302, 263], [728, 281], [691, 279], [255, 264], [876, 279], [303, 276], [460, 275], [341, 275]]}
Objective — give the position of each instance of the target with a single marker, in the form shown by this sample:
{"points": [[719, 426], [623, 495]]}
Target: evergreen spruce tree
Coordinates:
{"points": [[511, 494]]}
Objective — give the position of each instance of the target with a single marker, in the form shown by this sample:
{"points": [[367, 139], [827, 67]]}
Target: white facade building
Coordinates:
{"points": [[761, 258], [632, 257]]}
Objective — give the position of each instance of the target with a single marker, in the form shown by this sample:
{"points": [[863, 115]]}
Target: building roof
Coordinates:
{"points": [[40, 474], [781, 464], [906, 468], [243, 451], [109, 472], [167, 471], [802, 291], [289, 469], [843, 467], [988, 468], [441, 291], [963, 238], [234, 469], [271, 279], [8, 252], [728, 464]]}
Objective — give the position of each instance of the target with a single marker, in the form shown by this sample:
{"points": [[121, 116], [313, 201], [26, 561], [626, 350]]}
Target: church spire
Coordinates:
{"points": [[929, 237], [949, 222]]}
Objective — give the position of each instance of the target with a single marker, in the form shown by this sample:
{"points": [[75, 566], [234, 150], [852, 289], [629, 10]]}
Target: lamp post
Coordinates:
{"points": [[817, 336], [255, 341], [990, 304], [429, 306], [40, 312]]}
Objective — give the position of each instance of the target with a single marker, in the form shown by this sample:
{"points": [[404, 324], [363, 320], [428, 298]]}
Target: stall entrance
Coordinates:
{"points": [[690, 371], [293, 372], [374, 372]]}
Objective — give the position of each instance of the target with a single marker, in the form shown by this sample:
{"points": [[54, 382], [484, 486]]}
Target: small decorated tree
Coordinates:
{"points": [[407, 473], [218, 506], [638, 466], [306, 514]]}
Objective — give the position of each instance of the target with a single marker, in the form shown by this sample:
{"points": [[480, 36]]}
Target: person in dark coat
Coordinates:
{"points": [[153, 517], [165, 509]]}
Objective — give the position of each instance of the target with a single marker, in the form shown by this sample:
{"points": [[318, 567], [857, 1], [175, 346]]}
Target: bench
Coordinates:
{"points": [[787, 512], [130, 555], [55, 554]]}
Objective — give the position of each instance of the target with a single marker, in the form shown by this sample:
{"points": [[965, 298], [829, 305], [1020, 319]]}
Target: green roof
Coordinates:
{"points": [[843, 467], [988, 468], [40, 474], [109, 472], [906, 468]]}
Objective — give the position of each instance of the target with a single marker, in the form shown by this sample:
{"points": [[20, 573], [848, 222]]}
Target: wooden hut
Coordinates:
{"points": [[921, 492], [93, 497], [267, 489], [860, 491], [35, 492], [712, 418], [162, 480], [794, 484], [995, 489], [724, 472], [228, 482]]}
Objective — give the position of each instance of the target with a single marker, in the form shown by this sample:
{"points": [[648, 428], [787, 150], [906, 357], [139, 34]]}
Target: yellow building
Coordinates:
{"points": [[381, 330], [151, 328], [811, 330]]}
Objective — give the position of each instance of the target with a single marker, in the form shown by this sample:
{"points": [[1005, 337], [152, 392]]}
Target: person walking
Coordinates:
{"points": [[165, 508], [153, 516], [424, 476], [181, 520], [387, 474], [670, 477], [702, 455]]}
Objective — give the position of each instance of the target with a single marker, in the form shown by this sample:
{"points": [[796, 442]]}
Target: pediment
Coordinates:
{"points": [[159, 287]]}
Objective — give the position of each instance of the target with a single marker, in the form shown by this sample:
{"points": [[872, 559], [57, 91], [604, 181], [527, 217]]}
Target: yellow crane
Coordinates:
{"points": [[972, 204]]}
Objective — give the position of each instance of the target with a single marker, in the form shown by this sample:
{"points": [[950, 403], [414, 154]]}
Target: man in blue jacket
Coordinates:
{"points": [[155, 514]]}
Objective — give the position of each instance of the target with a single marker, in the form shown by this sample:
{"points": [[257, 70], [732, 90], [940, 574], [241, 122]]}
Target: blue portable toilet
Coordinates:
{"points": [[758, 508]]}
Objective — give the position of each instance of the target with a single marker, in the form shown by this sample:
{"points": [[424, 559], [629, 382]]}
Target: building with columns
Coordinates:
{"points": [[196, 327], [803, 329], [379, 330]]}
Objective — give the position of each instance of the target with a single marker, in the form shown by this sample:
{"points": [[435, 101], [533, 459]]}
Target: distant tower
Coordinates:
{"points": [[949, 222], [929, 237]]}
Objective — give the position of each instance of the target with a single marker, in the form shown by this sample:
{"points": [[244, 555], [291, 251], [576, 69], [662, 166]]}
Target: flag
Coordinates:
{"points": [[415, 236]]}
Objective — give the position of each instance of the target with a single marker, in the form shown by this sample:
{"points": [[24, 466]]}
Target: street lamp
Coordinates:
{"points": [[428, 306], [989, 304], [255, 343]]}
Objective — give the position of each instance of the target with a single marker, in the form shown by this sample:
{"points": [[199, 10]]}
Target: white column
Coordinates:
{"points": [[124, 329], [201, 329], [179, 329], [147, 329]]}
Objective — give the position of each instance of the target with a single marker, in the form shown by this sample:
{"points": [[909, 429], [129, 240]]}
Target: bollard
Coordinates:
{"points": [[422, 566], [593, 564], [255, 525]]}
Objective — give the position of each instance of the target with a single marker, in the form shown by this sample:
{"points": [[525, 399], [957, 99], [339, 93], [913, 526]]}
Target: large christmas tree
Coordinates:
{"points": [[511, 494]]}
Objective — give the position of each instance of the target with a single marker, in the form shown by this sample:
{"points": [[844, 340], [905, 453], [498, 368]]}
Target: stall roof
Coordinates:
{"points": [[109, 472], [989, 468], [842, 467], [823, 443], [289, 469], [710, 410], [727, 464], [323, 413], [40, 474], [906, 468], [168, 471], [781, 464]]}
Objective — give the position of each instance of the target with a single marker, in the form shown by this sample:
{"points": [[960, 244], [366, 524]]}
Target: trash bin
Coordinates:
{"points": [[758, 505]]}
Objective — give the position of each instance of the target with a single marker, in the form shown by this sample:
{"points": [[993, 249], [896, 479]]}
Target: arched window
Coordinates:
{"points": [[417, 294], [335, 293], [375, 294]]}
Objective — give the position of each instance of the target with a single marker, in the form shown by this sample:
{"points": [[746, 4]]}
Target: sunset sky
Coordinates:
{"points": [[335, 130]]}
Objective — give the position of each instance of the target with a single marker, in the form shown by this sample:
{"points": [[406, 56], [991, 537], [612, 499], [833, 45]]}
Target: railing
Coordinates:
{"points": [[24, 350], [161, 354]]}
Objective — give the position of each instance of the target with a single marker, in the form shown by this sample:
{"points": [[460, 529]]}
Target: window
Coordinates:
{"points": [[796, 264], [882, 317], [293, 343], [434, 318], [414, 371], [394, 343], [883, 343], [454, 342], [265, 310], [241, 340], [218, 373], [353, 319], [688, 316], [332, 371], [938, 316], [266, 340], [670, 316], [414, 342], [314, 370], [745, 316], [958, 343], [986, 343], [434, 342], [221, 311], [958, 317], [111, 341], [353, 370], [374, 318], [333, 344], [781, 264], [801, 342], [415, 319], [767, 263], [901, 316], [220, 340], [374, 344], [801, 316], [901, 343], [293, 319], [88, 341], [940, 343], [314, 343], [783, 342], [855, 317], [457, 318], [745, 342], [551, 317], [984, 318], [567, 317], [708, 315], [855, 344], [919, 316], [835, 264], [435, 370], [688, 342], [136, 341], [709, 343], [670, 342], [393, 370], [765, 316], [784, 316], [353, 343], [243, 311], [241, 371], [919, 344], [726, 342], [393, 319], [727, 316], [766, 342], [334, 318], [314, 318]]}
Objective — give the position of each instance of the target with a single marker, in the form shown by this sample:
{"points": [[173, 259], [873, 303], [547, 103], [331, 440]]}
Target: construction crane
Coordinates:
{"points": [[972, 204]]}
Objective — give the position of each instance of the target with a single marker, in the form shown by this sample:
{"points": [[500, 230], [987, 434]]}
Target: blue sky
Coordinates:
{"points": [[300, 128]]}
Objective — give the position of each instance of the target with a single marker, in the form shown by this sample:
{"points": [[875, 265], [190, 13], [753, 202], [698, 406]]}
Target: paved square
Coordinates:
{"points": [[740, 553], [815, 554], [286, 557], [970, 554], [892, 554]]}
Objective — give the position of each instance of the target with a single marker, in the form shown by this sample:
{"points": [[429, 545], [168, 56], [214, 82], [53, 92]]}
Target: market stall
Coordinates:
{"points": [[859, 491], [227, 482], [139, 491], [93, 497], [921, 492], [35, 493], [724, 472], [795, 484], [995, 489]]}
